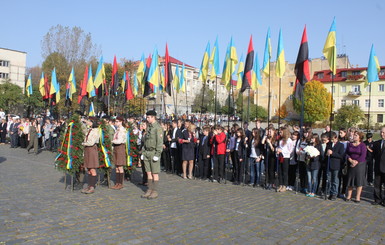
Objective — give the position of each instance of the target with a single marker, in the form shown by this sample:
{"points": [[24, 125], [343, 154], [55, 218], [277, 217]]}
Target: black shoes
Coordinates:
{"points": [[332, 198]]}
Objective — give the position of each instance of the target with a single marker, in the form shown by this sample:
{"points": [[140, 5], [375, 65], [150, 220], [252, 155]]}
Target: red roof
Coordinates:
{"points": [[338, 77], [174, 61]]}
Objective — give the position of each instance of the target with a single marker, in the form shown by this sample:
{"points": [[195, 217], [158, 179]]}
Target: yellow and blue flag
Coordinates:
{"points": [[71, 87], [205, 64], [141, 70], [136, 87], [280, 65], [373, 67], [214, 60], [100, 75], [231, 60], [256, 78], [241, 68], [28, 86], [330, 48], [90, 84], [176, 80], [55, 87], [267, 55], [153, 74], [41, 85], [182, 85], [91, 112]]}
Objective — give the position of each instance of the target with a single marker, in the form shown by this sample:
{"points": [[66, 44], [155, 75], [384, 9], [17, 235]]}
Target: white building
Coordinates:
{"points": [[12, 66]]}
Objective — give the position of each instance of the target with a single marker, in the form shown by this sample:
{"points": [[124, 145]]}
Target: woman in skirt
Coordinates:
{"points": [[120, 156], [356, 157], [91, 157]]}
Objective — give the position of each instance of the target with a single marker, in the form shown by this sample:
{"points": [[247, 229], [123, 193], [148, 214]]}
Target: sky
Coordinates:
{"points": [[129, 28]]}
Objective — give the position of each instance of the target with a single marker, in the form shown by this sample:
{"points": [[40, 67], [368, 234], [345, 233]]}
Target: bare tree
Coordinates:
{"points": [[73, 43]]}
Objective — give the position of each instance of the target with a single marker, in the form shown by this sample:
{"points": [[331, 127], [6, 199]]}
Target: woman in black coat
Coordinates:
{"points": [[313, 166]]}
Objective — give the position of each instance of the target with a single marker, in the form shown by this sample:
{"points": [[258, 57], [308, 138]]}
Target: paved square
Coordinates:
{"points": [[35, 209]]}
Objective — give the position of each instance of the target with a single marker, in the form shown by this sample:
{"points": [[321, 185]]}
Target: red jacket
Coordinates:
{"points": [[220, 141]]}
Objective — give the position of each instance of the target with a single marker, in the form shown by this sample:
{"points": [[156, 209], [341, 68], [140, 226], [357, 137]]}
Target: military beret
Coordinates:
{"points": [[151, 113]]}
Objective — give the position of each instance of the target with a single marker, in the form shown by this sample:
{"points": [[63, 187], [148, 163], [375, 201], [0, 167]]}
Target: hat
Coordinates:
{"points": [[151, 113], [120, 119]]}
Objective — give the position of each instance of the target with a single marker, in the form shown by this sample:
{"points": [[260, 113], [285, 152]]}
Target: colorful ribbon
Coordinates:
{"points": [[69, 145], [128, 149], [107, 161]]}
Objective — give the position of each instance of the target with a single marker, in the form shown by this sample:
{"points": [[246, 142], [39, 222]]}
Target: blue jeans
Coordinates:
{"points": [[255, 171], [312, 179], [334, 181]]}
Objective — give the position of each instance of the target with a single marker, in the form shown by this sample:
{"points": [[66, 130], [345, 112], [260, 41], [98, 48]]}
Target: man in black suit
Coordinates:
{"points": [[175, 135], [379, 168], [204, 154], [334, 153]]}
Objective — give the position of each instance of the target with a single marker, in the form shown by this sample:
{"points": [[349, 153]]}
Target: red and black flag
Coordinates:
{"points": [[301, 69], [128, 95], [167, 73], [114, 78], [148, 87], [83, 87], [247, 74]]}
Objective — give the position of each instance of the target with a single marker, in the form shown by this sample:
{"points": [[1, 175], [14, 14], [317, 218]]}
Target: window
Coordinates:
{"points": [[381, 87], [4, 75], [344, 74], [382, 72], [332, 89], [343, 89], [291, 84], [356, 102], [381, 103], [367, 103], [189, 73], [291, 97], [343, 102], [355, 88], [320, 75], [355, 73], [4, 63], [380, 118]]}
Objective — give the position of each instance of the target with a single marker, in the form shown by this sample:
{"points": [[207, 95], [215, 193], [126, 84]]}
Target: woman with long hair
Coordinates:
{"points": [[188, 151], [119, 153], [313, 166], [270, 143], [239, 158], [34, 129], [284, 150], [255, 158]]}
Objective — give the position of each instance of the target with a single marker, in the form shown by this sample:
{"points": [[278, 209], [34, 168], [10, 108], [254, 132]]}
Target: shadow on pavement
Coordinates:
{"points": [[3, 159]]}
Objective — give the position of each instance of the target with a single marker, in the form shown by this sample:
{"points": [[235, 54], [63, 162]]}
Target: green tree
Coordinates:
{"points": [[34, 104], [348, 116], [208, 102], [317, 102], [11, 97]]}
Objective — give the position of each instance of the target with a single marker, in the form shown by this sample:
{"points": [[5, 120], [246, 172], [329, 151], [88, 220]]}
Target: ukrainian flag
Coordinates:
{"points": [[267, 55], [205, 64], [241, 68], [256, 78], [280, 64], [141, 70], [153, 74], [100, 74], [176, 81], [91, 112], [28, 86], [330, 48], [373, 67], [182, 85], [90, 84], [55, 87], [72, 84], [214, 60], [41, 85], [136, 88]]}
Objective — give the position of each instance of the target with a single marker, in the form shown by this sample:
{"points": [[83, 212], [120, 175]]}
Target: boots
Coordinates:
{"points": [[149, 190], [91, 185], [154, 193], [118, 183]]}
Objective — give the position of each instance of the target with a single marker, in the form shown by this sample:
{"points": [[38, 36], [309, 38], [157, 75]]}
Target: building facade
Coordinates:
{"points": [[350, 87], [13, 66]]}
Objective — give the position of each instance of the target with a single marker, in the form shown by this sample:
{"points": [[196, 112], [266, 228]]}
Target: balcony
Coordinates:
{"points": [[354, 78], [354, 93]]}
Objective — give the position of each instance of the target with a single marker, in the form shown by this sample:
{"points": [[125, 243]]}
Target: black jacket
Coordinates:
{"points": [[337, 156], [204, 147], [379, 157]]}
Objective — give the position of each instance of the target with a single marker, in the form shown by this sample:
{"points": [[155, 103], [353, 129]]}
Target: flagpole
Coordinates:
{"points": [[185, 85], [256, 104], [173, 98], [331, 105], [248, 106], [203, 96], [215, 99], [279, 103], [269, 99], [370, 92]]}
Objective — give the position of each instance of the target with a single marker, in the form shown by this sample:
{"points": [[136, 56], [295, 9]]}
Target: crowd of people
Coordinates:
{"points": [[330, 164]]}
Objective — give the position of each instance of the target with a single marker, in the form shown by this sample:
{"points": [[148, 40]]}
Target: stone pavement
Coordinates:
{"points": [[35, 209]]}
